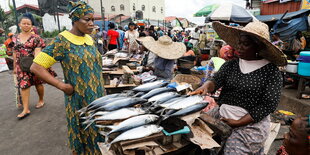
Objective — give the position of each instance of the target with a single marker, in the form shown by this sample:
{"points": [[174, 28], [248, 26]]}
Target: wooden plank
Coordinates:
{"points": [[120, 86], [144, 139], [119, 71], [127, 70]]}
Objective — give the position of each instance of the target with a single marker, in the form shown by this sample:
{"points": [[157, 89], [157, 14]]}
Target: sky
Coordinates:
{"points": [[179, 8], [186, 8]]}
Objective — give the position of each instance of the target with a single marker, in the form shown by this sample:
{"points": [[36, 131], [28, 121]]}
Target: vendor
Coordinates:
{"points": [[149, 57], [82, 67], [167, 52], [187, 61], [251, 86]]}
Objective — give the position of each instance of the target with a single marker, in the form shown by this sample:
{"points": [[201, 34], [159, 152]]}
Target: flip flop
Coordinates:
{"points": [[39, 106], [304, 96], [24, 116]]}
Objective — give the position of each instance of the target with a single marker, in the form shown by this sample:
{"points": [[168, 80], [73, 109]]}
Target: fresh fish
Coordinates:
{"points": [[103, 103], [163, 97], [100, 100], [188, 110], [127, 102], [184, 103], [139, 94], [135, 133], [116, 115], [150, 86], [99, 113], [130, 123], [156, 92]]}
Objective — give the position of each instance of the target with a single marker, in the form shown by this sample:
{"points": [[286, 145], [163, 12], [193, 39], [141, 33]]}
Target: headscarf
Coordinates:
{"points": [[79, 9]]}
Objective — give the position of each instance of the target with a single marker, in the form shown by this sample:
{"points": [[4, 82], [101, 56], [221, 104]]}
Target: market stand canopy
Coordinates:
{"points": [[206, 10], [231, 13], [290, 15]]}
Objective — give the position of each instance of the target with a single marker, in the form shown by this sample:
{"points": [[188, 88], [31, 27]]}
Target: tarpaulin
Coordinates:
{"points": [[288, 30]]}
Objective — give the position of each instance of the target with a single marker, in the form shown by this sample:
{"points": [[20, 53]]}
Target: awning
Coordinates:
{"points": [[290, 15]]}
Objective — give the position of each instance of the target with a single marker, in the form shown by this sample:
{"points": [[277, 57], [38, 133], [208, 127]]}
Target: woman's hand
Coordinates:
{"points": [[15, 70], [205, 89], [66, 88]]}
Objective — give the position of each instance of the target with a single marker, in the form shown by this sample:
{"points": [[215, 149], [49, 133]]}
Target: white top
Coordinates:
{"points": [[250, 66]]}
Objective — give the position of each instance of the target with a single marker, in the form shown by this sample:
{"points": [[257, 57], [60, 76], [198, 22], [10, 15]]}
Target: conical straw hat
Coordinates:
{"points": [[257, 29]]}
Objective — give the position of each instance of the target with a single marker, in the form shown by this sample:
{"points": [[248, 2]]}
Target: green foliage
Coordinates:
{"points": [[48, 34]]}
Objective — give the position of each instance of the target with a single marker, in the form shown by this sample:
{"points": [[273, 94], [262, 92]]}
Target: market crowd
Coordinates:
{"points": [[243, 70]]}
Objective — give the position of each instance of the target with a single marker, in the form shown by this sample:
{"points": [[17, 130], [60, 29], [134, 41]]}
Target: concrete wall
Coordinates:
{"points": [[128, 4], [50, 23]]}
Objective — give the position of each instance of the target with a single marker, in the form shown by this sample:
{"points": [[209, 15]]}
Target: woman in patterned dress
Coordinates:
{"points": [[81, 64], [26, 44]]}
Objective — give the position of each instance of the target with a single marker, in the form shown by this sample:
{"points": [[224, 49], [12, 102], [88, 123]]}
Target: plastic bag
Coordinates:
{"points": [[3, 65]]}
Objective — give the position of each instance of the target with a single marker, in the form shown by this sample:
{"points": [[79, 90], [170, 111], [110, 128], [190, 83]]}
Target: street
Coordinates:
{"points": [[43, 132]]}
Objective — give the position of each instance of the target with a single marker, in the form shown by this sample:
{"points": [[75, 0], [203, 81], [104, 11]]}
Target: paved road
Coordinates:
{"points": [[43, 132]]}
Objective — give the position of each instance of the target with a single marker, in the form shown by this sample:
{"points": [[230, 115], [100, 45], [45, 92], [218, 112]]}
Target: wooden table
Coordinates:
{"points": [[302, 86]]}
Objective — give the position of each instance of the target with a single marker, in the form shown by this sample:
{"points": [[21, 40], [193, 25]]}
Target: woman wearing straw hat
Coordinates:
{"points": [[82, 67], [167, 52], [251, 86]]}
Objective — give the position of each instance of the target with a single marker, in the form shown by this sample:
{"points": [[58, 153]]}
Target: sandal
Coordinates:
{"points": [[39, 106], [24, 116], [305, 96]]}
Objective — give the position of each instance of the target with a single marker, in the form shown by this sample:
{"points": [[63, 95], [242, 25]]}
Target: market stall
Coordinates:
{"points": [[154, 117]]}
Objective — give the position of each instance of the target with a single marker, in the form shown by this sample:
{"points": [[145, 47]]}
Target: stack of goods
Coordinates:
{"points": [[138, 113]]}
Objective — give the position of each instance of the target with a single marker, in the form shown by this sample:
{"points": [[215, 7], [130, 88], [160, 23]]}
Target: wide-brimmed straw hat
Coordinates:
{"points": [[165, 48], [256, 29], [145, 39]]}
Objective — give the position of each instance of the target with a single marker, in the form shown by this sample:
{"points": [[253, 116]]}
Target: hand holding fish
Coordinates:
{"points": [[205, 89]]}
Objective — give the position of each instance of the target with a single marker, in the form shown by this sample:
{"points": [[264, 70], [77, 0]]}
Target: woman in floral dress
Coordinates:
{"points": [[82, 68], [27, 44]]}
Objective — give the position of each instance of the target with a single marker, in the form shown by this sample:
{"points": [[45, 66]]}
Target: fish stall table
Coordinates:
{"points": [[159, 143], [108, 75]]}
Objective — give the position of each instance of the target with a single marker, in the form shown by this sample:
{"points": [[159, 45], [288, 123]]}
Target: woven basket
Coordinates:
{"points": [[190, 79]]}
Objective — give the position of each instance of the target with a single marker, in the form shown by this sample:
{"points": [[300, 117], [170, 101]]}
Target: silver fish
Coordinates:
{"points": [[150, 86], [130, 123], [116, 115], [136, 133], [156, 92], [188, 110], [191, 100], [163, 97], [127, 102]]}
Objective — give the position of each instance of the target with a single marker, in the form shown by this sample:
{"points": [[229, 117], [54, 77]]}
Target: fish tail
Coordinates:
{"points": [[108, 145], [89, 123], [85, 118], [106, 136], [83, 110]]}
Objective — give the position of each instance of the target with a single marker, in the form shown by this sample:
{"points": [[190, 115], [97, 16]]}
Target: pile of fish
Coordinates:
{"points": [[139, 112]]}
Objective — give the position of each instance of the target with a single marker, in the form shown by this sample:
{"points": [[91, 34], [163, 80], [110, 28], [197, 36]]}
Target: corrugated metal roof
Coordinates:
{"points": [[290, 15], [278, 8]]}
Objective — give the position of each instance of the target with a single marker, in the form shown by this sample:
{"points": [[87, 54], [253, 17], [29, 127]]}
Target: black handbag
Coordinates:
{"points": [[26, 62]]}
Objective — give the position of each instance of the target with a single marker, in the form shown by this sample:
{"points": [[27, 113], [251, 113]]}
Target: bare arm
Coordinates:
{"points": [[245, 120], [43, 74], [205, 89], [14, 61]]}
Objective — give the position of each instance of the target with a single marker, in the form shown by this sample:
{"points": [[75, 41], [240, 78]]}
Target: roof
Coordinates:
{"points": [[171, 18], [290, 15], [34, 7]]}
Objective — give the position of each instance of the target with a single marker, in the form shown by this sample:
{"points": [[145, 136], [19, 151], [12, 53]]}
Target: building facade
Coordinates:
{"points": [[151, 9]]}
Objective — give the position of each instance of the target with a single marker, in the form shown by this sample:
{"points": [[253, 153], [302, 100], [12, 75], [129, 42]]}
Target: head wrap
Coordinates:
{"points": [[79, 9]]}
